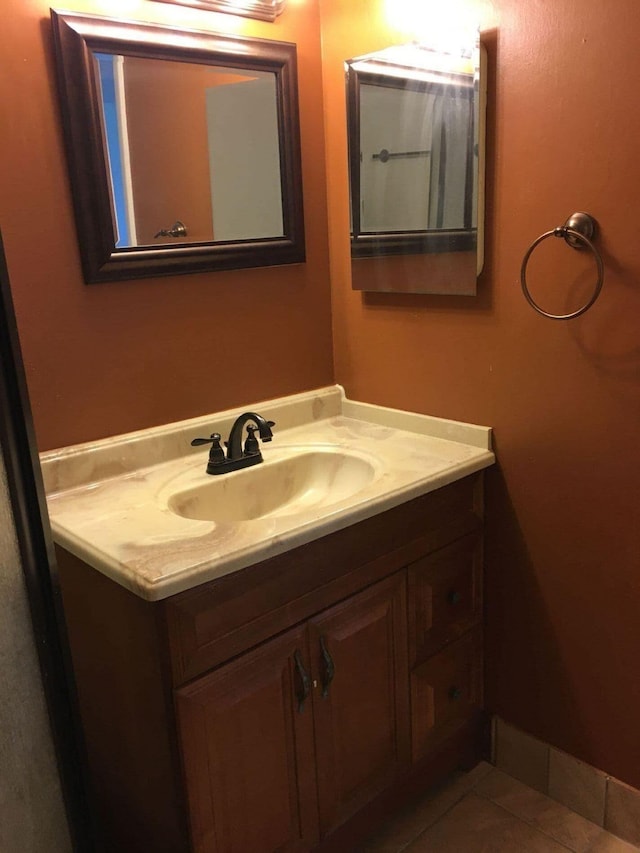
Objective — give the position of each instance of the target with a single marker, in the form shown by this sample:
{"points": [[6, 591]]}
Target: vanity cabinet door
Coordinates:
{"points": [[359, 661], [247, 743]]}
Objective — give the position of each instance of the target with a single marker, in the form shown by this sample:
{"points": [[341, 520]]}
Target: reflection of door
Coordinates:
{"points": [[394, 191], [242, 127]]}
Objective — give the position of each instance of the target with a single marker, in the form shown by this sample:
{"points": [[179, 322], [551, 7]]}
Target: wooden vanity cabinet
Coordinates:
{"points": [[289, 739], [291, 705]]}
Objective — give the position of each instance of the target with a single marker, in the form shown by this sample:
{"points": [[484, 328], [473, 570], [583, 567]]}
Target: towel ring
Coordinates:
{"points": [[577, 231]]}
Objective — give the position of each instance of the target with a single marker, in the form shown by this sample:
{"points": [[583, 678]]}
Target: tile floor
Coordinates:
{"points": [[487, 811]]}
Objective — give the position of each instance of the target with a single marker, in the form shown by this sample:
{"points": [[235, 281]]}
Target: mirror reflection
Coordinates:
{"points": [[192, 144], [415, 153], [414, 145]]}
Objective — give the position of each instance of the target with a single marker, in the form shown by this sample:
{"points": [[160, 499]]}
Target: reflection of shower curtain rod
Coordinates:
{"points": [[385, 155]]}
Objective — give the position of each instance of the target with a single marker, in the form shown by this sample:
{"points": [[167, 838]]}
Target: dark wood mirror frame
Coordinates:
{"points": [[76, 38], [373, 244]]}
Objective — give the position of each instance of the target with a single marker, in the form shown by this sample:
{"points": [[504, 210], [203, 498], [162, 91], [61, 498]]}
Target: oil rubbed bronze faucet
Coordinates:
{"points": [[237, 456]]}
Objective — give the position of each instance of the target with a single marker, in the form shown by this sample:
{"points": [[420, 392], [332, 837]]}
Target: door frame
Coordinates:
{"points": [[28, 504]]}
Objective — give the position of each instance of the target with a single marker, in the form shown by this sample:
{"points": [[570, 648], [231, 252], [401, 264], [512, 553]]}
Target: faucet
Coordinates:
{"points": [[234, 444], [237, 456]]}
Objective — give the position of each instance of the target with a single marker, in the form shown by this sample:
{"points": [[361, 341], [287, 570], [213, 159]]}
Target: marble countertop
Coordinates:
{"points": [[110, 501]]}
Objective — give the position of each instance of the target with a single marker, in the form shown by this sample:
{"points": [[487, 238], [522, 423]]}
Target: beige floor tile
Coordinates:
{"points": [[396, 834], [522, 756], [622, 812], [577, 785], [545, 814], [476, 825], [482, 769], [608, 843]]}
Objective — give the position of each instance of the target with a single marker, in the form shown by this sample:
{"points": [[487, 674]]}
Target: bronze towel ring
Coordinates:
{"points": [[578, 231]]}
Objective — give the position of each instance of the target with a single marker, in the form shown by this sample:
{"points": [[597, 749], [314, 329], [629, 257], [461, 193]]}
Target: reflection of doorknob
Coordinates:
{"points": [[178, 229]]}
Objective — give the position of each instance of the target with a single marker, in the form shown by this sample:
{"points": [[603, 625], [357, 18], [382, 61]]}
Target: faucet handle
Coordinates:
{"points": [[216, 454], [215, 437], [251, 444]]}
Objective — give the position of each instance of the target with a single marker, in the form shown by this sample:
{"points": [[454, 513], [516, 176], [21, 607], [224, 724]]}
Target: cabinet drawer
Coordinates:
{"points": [[445, 597], [445, 691]]}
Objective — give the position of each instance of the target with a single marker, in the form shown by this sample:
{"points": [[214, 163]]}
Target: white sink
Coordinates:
{"points": [[305, 481], [141, 508]]}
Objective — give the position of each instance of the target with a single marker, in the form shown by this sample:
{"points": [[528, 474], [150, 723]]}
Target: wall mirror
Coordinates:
{"points": [[416, 158], [183, 148]]}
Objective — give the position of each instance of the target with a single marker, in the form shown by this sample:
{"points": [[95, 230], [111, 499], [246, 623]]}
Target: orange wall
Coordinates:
{"points": [[108, 358], [563, 508], [563, 572]]}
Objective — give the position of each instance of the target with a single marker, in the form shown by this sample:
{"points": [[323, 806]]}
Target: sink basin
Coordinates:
{"points": [[307, 482]]}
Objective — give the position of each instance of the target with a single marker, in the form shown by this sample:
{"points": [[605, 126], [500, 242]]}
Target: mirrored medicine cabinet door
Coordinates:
{"points": [[416, 164]]}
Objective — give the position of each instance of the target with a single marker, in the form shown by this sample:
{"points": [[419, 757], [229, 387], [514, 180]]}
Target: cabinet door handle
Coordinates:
{"points": [[328, 667], [305, 681]]}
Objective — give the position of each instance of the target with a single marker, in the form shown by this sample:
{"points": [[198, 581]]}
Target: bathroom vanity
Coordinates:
{"points": [[281, 673]]}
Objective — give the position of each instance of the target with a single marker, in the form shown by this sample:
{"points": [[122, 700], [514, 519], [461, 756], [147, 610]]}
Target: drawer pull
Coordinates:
{"points": [[454, 597], [454, 693], [329, 668], [305, 681]]}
